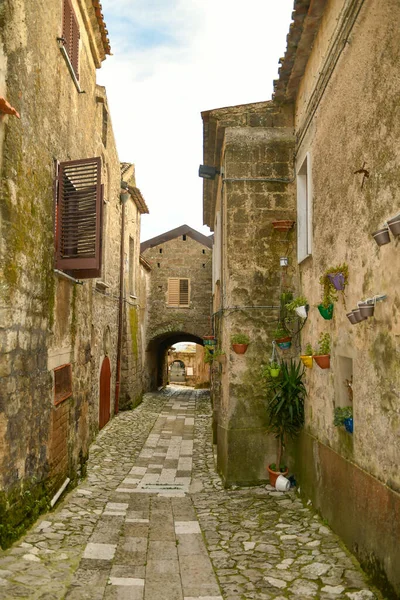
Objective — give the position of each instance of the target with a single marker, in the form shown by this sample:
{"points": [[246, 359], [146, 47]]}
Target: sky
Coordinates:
{"points": [[173, 59]]}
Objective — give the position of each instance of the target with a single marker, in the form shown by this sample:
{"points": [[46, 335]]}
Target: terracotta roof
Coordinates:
{"points": [[144, 262], [6, 108], [138, 200], [306, 17], [174, 233], [102, 26]]}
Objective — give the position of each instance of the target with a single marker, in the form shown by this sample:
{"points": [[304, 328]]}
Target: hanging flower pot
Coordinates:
{"points": [[348, 424], [301, 311], [284, 343], [351, 317], [209, 340], [323, 360], [394, 225], [282, 225], [240, 348], [381, 236], [366, 310], [358, 316], [307, 361], [326, 311], [337, 280], [275, 372]]}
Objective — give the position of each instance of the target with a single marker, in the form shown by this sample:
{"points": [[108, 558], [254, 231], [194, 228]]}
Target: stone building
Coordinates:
{"points": [[60, 250], [179, 300], [339, 88], [188, 367]]}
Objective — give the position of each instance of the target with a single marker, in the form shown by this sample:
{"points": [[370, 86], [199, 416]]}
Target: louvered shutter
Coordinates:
{"points": [[66, 33], [184, 292], [173, 291], [79, 217], [74, 57]]}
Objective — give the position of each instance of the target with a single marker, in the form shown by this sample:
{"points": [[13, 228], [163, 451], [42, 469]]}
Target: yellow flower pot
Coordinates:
{"points": [[307, 361]]}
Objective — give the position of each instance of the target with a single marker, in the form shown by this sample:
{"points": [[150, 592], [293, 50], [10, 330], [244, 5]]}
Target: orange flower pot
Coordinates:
{"points": [[240, 348]]}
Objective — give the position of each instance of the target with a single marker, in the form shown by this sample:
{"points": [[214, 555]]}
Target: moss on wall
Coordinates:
{"points": [[133, 326]]}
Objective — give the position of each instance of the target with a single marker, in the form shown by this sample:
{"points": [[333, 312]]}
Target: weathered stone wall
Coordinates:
{"points": [[179, 258], [46, 321], [356, 124], [258, 144], [194, 359]]}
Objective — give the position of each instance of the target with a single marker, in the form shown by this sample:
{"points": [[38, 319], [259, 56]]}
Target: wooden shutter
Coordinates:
{"points": [[79, 217], [184, 292], [173, 291], [71, 35]]}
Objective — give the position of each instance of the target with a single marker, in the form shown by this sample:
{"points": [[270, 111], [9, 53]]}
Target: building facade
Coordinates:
{"points": [[60, 251], [179, 300], [339, 88]]}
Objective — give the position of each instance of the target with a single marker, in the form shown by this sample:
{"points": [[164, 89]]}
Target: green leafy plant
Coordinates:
{"points": [[285, 404], [240, 338], [299, 301], [280, 331], [211, 355], [324, 345], [274, 365], [308, 351], [341, 413]]}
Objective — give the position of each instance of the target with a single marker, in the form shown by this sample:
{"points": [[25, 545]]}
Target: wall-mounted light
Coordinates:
{"points": [[207, 172], [283, 261], [124, 193]]}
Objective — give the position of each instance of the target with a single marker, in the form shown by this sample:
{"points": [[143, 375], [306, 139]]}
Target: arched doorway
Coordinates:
{"points": [[177, 373], [105, 392]]}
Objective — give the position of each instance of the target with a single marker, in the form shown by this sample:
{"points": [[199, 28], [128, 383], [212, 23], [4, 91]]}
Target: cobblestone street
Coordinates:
{"points": [[153, 522]]}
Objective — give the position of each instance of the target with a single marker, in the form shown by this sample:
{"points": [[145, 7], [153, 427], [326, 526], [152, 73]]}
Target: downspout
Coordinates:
{"points": [[124, 196]]}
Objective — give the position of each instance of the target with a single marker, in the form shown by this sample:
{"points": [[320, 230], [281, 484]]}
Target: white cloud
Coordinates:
{"points": [[172, 60]]}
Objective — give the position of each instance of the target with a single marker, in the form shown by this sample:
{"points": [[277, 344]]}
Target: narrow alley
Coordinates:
{"points": [[153, 522]]}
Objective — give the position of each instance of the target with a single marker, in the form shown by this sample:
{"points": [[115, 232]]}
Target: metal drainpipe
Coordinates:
{"points": [[123, 198]]}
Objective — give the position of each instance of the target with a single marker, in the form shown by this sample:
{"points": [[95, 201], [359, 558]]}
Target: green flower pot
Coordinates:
{"points": [[326, 312], [274, 372]]}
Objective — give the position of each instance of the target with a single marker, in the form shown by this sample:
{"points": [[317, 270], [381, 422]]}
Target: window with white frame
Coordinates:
{"points": [[304, 210]]}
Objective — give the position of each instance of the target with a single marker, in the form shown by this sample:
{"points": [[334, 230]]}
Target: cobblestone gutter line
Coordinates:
{"points": [[265, 544]]}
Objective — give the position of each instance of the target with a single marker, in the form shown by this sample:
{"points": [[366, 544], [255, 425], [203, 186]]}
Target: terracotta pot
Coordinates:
{"points": [[381, 236], [240, 348], [282, 225], [352, 318], [367, 310], [273, 475], [394, 225], [323, 360], [307, 360], [326, 312], [284, 343]]}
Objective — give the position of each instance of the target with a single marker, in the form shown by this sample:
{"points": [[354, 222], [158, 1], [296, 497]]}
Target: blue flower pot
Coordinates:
{"points": [[348, 424]]}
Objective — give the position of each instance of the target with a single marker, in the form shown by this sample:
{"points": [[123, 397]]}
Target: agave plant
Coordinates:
{"points": [[285, 407]]}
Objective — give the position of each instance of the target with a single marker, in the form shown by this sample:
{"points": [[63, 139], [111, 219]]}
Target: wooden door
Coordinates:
{"points": [[105, 391]]}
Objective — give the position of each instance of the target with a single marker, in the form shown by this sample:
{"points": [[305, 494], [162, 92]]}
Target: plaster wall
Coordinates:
{"points": [[356, 124]]}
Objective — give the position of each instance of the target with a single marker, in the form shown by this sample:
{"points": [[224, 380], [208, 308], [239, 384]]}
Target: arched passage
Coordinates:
{"points": [[157, 355]]}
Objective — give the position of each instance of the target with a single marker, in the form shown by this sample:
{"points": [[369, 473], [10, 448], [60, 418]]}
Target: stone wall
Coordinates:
{"points": [[181, 256], [194, 360], [255, 150], [45, 320]]}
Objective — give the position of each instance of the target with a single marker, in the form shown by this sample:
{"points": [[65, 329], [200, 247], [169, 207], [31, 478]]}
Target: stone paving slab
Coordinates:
{"points": [[153, 522]]}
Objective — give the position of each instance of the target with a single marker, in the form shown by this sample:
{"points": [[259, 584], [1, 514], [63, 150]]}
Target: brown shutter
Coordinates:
{"points": [[173, 291], [74, 56], [66, 32], [79, 217], [184, 292]]}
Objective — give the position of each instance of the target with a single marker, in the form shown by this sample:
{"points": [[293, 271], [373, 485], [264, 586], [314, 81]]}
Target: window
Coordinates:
{"points": [[62, 383], [79, 218], [304, 210], [131, 266], [184, 237], [178, 292], [70, 36]]}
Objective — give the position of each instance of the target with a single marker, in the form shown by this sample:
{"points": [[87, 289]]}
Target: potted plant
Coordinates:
{"points": [[285, 411], [322, 353], [326, 306], [299, 305], [343, 415], [282, 337], [274, 369], [307, 357], [338, 276], [240, 342]]}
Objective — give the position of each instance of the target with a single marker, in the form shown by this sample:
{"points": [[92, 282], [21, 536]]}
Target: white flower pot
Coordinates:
{"points": [[282, 484], [301, 311]]}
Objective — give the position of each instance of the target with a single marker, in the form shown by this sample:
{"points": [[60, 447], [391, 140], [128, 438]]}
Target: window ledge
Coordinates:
{"points": [[174, 306], [102, 285], [69, 65], [133, 296]]}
